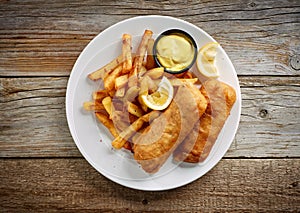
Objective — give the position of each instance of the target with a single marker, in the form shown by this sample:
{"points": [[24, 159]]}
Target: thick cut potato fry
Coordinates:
{"points": [[143, 105], [150, 63], [131, 93], [180, 81], [121, 81], [109, 80], [93, 106], [152, 84], [134, 109], [142, 72], [155, 73], [120, 92], [121, 120], [140, 55], [127, 146], [99, 95], [141, 52], [107, 103], [126, 52], [104, 119], [119, 141], [144, 88], [188, 75], [100, 73]]}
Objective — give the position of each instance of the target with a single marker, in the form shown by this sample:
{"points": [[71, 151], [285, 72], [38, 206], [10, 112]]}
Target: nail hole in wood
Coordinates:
{"points": [[295, 184], [295, 62], [145, 201], [252, 4], [263, 113]]}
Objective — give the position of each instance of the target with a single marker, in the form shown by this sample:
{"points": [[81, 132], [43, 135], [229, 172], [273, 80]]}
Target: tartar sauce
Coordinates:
{"points": [[175, 52]]}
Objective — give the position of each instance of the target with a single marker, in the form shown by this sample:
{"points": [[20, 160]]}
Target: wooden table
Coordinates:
{"points": [[42, 169]]}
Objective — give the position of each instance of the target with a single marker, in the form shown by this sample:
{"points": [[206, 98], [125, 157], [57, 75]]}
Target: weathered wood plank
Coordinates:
{"points": [[69, 184], [45, 38], [33, 121]]}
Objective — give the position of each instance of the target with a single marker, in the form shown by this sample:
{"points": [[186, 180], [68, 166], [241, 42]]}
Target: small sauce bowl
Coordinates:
{"points": [[175, 50]]}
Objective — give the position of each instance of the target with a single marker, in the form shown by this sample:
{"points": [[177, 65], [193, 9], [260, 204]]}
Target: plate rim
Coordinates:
{"points": [[71, 124]]}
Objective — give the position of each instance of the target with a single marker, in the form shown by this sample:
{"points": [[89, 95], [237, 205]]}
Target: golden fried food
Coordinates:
{"points": [[221, 98], [187, 126], [161, 138]]}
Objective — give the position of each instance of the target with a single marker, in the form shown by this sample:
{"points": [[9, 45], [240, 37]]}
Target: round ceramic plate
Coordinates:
{"points": [[94, 140]]}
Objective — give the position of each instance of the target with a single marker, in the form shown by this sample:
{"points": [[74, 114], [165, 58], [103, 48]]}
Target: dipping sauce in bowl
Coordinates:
{"points": [[175, 50]]}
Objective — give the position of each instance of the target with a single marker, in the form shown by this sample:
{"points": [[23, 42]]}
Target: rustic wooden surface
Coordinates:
{"points": [[41, 168]]}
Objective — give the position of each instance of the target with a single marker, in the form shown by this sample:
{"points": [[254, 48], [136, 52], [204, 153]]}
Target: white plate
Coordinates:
{"points": [[119, 166]]}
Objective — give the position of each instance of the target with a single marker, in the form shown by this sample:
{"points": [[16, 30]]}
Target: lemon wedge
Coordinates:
{"points": [[162, 97], [206, 60]]}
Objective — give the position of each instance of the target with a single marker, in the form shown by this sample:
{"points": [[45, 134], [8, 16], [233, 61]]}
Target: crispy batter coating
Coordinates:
{"points": [[165, 133], [221, 98]]}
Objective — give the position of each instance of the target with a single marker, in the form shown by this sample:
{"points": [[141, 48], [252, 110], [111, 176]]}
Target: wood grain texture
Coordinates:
{"points": [[33, 121], [42, 169], [69, 184], [45, 38]]}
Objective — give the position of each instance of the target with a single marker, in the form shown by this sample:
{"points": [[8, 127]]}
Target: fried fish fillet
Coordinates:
{"points": [[221, 98], [153, 147]]}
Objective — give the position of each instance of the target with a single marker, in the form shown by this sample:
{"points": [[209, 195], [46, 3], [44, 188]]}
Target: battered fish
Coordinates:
{"points": [[221, 98], [162, 137]]}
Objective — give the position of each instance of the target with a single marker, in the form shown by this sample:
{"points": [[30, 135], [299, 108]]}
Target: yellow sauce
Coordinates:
{"points": [[175, 52]]}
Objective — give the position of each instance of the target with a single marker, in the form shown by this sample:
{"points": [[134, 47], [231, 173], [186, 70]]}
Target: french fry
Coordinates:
{"points": [[93, 106], [104, 119], [143, 105], [150, 63], [99, 95], [109, 80], [121, 120], [155, 73], [131, 93], [127, 146], [121, 81], [188, 75], [140, 55], [181, 81], [107, 103], [142, 72], [134, 109], [179, 75], [100, 73], [120, 92], [126, 52], [112, 92], [143, 91], [119, 141], [152, 84], [138, 62]]}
